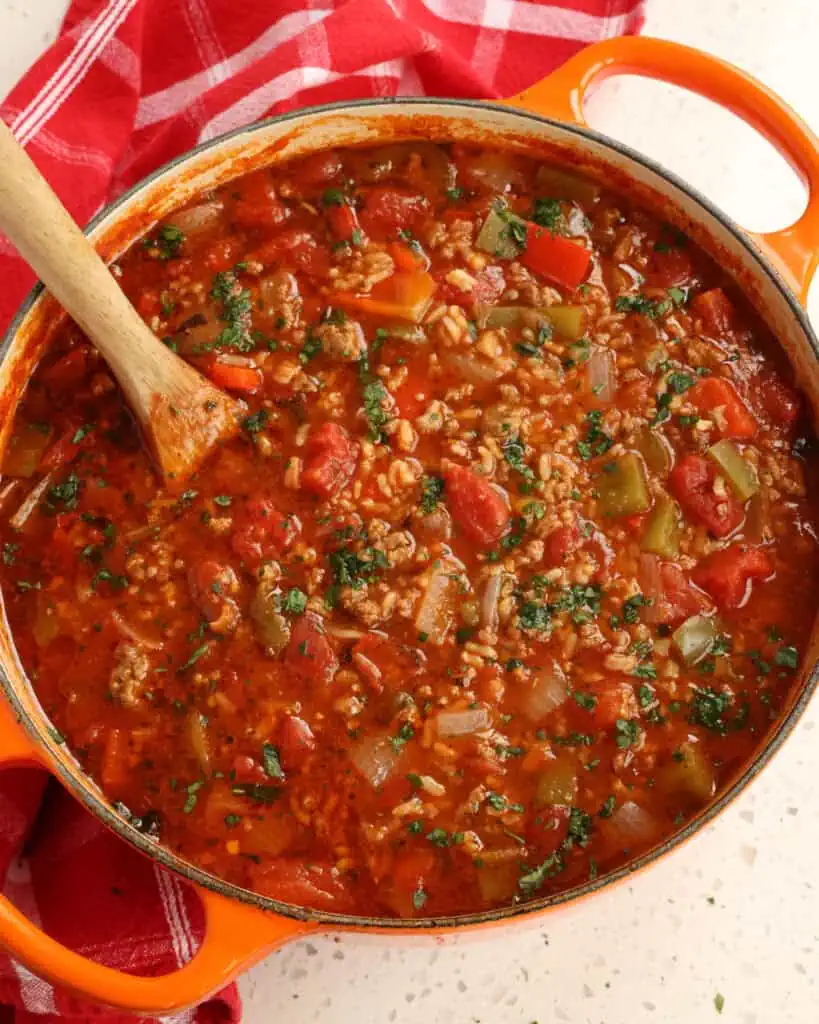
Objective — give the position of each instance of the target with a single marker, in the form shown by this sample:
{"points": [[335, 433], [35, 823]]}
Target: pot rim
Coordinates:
{"points": [[88, 793]]}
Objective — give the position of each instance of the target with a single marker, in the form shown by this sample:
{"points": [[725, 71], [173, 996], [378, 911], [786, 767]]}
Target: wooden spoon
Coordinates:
{"points": [[182, 415]]}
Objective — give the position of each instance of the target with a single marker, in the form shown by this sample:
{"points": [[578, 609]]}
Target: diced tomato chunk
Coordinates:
{"points": [[257, 205], [67, 371], [615, 700], [670, 268], [561, 542], [297, 248], [414, 874], [304, 884], [412, 397], [679, 600], [781, 402], [247, 769], [388, 210], [65, 448], [727, 574], [343, 221], [260, 215], [479, 509], [716, 310], [554, 257], [718, 397], [261, 532], [320, 168], [691, 482], [489, 285], [223, 255], [385, 664], [309, 654], [296, 742], [211, 585], [329, 460]]}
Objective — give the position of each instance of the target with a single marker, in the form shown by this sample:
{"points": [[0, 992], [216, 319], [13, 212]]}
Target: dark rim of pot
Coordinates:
{"points": [[89, 794]]}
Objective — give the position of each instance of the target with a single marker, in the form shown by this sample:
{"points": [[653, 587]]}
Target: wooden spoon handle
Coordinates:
{"points": [[182, 414], [48, 239]]}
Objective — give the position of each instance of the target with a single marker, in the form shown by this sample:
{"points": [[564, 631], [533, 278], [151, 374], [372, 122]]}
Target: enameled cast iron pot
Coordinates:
{"points": [[773, 270]]}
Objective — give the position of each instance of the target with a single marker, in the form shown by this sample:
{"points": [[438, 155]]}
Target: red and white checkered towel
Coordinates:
{"points": [[128, 85]]}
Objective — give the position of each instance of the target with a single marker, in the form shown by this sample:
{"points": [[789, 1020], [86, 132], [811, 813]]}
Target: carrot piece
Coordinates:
{"points": [[246, 379], [404, 296], [404, 257]]}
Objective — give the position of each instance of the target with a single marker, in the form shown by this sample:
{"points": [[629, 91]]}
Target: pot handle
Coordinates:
{"points": [[562, 95], [236, 936]]}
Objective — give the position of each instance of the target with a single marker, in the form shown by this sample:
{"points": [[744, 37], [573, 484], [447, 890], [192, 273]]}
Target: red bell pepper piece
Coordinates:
{"points": [[559, 259], [726, 575], [692, 484], [732, 416]]}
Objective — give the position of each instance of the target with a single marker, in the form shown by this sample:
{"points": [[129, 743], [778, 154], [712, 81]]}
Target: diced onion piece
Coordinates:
{"points": [[632, 824], [375, 757], [496, 170], [695, 638], [495, 236], [489, 601], [462, 723], [654, 358], [601, 374], [31, 502], [197, 219], [568, 321], [199, 741], [560, 184], [547, 691], [130, 632], [435, 615], [473, 368], [652, 587], [25, 450], [740, 474], [46, 624], [272, 628]]}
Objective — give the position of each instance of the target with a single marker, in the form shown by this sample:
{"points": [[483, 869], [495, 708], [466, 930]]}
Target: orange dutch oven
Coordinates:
{"points": [[774, 271]]}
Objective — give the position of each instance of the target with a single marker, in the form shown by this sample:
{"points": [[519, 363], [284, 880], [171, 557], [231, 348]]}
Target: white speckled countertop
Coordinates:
{"points": [[734, 912]]}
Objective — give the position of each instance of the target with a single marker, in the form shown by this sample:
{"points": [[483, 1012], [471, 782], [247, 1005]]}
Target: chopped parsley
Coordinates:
{"points": [[548, 214], [10, 550], [535, 616], [374, 396], [432, 490], [253, 424], [652, 308], [294, 601], [631, 614], [597, 441], [65, 494], [587, 701], [310, 349], [787, 657], [580, 826], [514, 452], [271, 762], [628, 732], [708, 707]]}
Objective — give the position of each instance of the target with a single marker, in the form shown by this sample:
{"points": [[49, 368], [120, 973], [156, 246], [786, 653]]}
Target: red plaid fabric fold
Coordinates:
{"points": [[128, 85]]}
